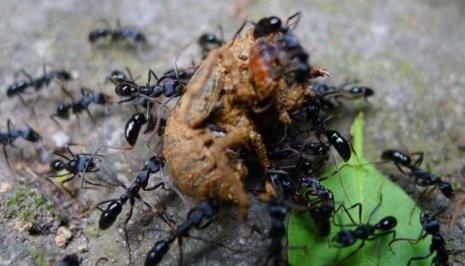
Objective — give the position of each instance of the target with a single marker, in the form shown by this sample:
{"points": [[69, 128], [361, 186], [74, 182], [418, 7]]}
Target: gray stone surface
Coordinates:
{"points": [[410, 52]]}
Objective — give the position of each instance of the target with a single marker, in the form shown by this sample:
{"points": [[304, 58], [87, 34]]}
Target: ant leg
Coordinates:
{"points": [[150, 75], [239, 30], [294, 24], [102, 203], [65, 91], [422, 236], [91, 116], [375, 209], [162, 185], [125, 230], [29, 77], [346, 210], [8, 162], [105, 22], [127, 99], [62, 184], [418, 258], [131, 78], [181, 253], [22, 100], [419, 160], [353, 252]]}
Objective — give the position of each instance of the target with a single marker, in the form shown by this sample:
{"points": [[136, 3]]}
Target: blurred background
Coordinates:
{"points": [[410, 52]]}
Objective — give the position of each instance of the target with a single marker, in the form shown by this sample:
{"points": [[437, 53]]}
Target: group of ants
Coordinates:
{"points": [[297, 162]]}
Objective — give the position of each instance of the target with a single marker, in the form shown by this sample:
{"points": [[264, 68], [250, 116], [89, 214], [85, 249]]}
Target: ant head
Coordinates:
{"points": [[97, 34], [387, 223], [140, 38], [396, 156], [57, 165], [125, 90], [16, 88], [429, 223], [32, 135], [63, 75], [446, 189], [156, 254], [266, 26], [63, 110], [345, 238], [361, 91], [110, 214]]}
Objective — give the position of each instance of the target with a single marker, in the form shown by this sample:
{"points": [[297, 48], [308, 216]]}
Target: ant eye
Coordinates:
{"points": [[275, 23]]}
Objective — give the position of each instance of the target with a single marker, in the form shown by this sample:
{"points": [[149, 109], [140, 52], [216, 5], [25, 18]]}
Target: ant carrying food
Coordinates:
{"points": [[87, 98], [363, 231], [114, 206], [199, 217], [411, 168], [77, 165], [9, 137], [430, 226], [118, 34], [20, 87]]}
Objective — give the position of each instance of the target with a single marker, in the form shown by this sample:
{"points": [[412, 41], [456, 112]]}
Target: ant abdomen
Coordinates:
{"points": [[156, 254], [110, 214]]}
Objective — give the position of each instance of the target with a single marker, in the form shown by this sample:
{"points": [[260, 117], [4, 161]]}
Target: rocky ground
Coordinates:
{"points": [[410, 52]]}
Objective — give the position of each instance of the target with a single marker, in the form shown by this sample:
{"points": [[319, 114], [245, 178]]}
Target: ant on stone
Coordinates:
{"points": [[430, 226], [114, 206], [118, 34], [87, 98], [199, 217], [76, 165], [9, 137], [363, 231], [422, 177], [19, 87]]}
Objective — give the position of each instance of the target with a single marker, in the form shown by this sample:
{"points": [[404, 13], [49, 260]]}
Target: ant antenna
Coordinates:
{"points": [[293, 24], [236, 35]]}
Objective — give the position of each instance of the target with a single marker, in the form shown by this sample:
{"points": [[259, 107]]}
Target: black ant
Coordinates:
{"points": [[311, 113], [82, 104], [199, 217], [422, 178], [117, 35], [20, 86], [76, 165], [9, 137], [209, 42], [273, 24], [114, 206], [430, 226], [364, 232], [277, 233], [348, 91]]}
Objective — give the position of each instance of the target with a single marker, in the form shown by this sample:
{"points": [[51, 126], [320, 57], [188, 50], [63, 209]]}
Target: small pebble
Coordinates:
{"points": [[64, 235]]}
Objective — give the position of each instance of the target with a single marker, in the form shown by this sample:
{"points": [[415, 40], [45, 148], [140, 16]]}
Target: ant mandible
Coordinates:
{"points": [[411, 168]]}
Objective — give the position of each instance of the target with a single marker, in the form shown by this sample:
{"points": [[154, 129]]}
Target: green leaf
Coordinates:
{"points": [[362, 183]]}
